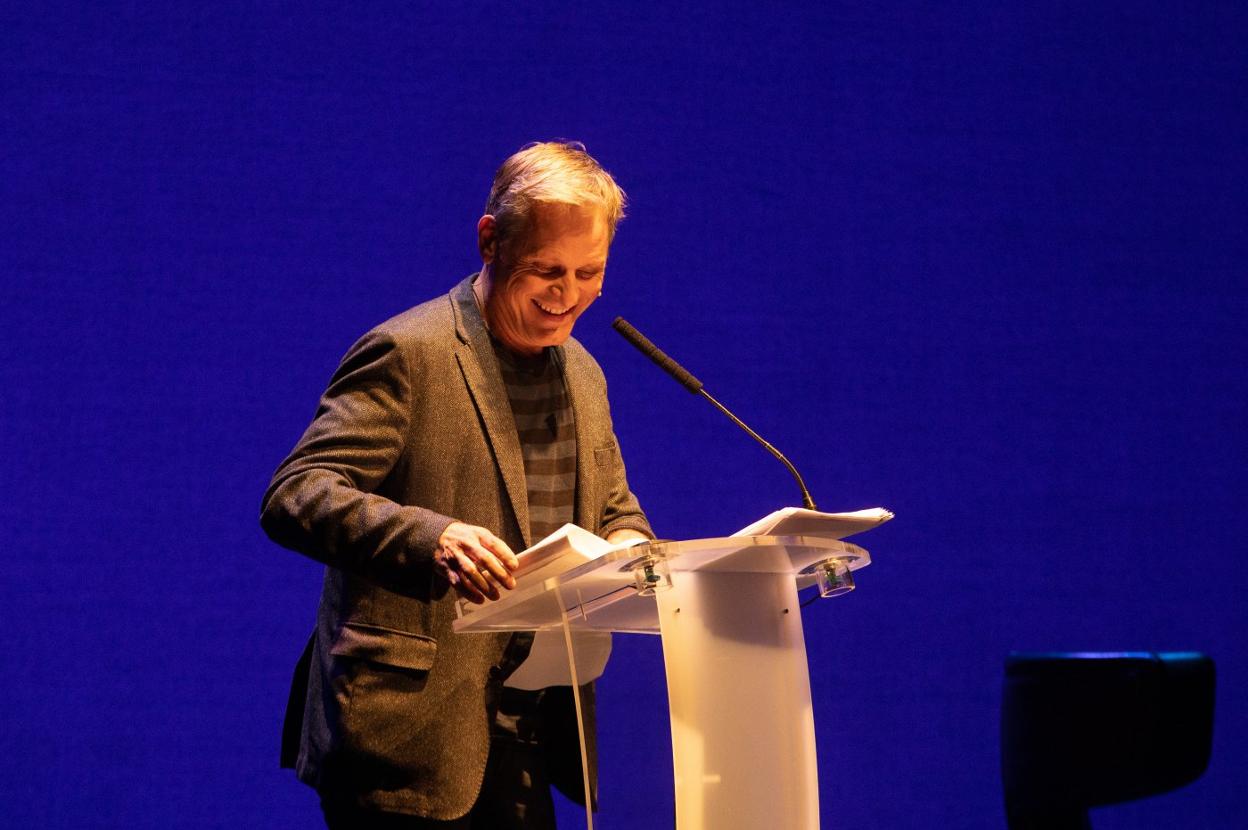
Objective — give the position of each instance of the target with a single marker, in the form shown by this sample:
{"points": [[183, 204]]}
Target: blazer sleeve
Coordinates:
{"points": [[321, 501], [621, 509]]}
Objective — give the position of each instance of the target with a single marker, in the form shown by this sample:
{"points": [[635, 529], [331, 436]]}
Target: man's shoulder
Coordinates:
{"points": [[573, 349], [432, 323], [580, 362], [422, 333], [429, 318]]}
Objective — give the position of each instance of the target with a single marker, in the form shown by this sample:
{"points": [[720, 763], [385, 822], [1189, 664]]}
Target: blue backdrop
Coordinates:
{"points": [[983, 265]]}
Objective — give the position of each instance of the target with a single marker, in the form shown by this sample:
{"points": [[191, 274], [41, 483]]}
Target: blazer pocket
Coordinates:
{"points": [[605, 456], [386, 646]]}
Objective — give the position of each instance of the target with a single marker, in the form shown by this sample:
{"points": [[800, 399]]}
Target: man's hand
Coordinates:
{"points": [[474, 561], [626, 534]]}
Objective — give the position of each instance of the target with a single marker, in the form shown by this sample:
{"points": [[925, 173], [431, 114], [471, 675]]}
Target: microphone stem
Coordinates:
{"points": [[807, 501]]}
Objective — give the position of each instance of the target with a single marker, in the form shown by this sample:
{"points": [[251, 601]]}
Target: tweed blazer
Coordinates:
{"points": [[415, 431]]}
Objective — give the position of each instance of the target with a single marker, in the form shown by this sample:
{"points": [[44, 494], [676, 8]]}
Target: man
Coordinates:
{"points": [[450, 436]]}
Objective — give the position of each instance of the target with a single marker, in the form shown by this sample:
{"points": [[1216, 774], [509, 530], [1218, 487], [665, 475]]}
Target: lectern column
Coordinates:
{"points": [[743, 731]]}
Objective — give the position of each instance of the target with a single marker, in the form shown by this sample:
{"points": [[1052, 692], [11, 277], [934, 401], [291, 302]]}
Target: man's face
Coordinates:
{"points": [[540, 285]]}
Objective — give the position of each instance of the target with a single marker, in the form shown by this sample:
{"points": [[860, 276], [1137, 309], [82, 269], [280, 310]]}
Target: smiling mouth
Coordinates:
{"points": [[552, 310]]}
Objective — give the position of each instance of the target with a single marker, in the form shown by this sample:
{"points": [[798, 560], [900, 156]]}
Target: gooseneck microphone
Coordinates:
{"points": [[687, 380]]}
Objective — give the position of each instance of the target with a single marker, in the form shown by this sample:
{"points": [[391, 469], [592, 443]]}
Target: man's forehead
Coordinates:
{"points": [[549, 224]]}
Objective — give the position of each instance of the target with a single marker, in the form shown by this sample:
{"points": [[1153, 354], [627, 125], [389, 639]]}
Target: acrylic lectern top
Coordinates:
{"points": [[602, 594]]}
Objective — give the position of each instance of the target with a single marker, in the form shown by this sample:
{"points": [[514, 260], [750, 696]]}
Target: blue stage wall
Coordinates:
{"points": [[983, 265]]}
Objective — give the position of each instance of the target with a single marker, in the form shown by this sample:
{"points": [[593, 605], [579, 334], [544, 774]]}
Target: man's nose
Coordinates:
{"points": [[566, 287]]}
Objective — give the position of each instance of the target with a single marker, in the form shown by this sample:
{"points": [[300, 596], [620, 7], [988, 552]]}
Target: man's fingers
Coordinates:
{"points": [[481, 581], [499, 548], [496, 569], [495, 557], [476, 561], [469, 592], [463, 587]]}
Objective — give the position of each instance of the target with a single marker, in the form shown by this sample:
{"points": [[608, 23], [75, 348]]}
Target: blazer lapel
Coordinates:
{"points": [[485, 384]]}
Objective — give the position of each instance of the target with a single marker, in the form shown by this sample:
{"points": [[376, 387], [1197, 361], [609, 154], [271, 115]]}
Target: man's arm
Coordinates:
{"points": [[322, 503], [619, 509], [622, 517]]}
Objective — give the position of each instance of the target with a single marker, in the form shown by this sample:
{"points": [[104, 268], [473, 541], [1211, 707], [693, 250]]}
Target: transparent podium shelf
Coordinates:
{"points": [[602, 594]]}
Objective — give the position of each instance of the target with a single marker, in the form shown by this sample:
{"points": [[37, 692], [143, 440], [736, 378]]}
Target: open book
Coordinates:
{"points": [[562, 550]]}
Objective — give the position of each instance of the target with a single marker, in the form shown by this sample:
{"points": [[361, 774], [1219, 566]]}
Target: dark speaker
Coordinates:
{"points": [[1081, 730]]}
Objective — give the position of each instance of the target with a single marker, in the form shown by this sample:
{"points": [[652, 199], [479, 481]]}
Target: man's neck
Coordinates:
{"points": [[480, 294]]}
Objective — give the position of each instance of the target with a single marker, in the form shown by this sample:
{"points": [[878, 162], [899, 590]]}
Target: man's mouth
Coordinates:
{"points": [[552, 310]]}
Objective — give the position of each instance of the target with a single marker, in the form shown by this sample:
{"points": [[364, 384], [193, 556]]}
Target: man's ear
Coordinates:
{"points": [[487, 238]]}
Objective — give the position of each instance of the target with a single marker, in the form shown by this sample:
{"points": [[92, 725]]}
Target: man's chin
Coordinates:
{"points": [[554, 336], [534, 345]]}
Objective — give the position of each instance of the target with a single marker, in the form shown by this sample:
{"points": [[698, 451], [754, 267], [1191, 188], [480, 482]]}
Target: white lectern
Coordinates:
{"points": [[743, 733]]}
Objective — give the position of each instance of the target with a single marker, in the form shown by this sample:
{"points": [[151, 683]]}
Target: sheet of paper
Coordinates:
{"points": [[797, 521], [547, 663]]}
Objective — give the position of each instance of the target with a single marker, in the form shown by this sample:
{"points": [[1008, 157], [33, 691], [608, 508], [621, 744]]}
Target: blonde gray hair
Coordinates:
{"points": [[550, 172]]}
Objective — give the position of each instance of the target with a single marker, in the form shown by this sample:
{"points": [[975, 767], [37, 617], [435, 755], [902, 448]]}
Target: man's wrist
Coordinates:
{"points": [[625, 534]]}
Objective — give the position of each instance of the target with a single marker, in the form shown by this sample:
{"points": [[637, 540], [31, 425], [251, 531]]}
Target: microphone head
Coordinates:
{"points": [[643, 345]]}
